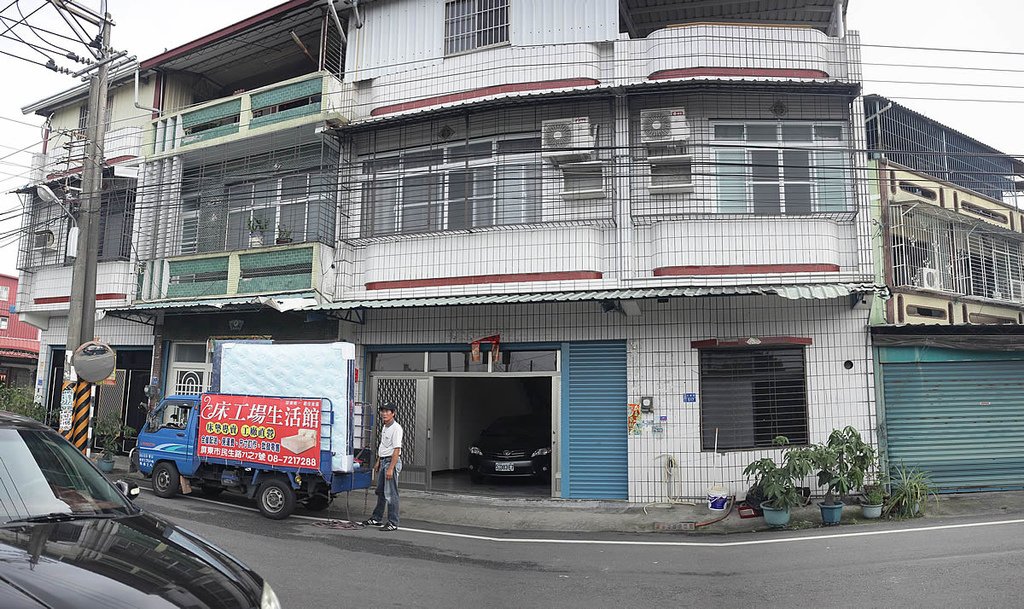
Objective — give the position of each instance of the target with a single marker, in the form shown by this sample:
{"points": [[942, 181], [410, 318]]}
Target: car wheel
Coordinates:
{"points": [[276, 499], [317, 503], [166, 479]]}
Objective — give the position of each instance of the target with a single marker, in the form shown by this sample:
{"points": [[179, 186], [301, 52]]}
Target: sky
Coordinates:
{"points": [[978, 89]]}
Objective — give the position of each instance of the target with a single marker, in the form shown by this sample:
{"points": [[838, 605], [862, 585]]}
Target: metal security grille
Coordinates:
{"points": [[954, 255], [401, 393], [959, 420], [750, 396], [473, 24]]}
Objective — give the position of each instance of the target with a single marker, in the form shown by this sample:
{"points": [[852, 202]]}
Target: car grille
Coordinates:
{"points": [[506, 454]]}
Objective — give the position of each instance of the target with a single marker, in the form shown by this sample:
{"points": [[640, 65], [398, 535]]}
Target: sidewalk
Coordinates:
{"points": [[501, 514]]}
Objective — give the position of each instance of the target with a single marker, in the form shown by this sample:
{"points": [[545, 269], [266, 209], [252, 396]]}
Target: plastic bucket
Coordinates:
{"points": [[717, 499]]}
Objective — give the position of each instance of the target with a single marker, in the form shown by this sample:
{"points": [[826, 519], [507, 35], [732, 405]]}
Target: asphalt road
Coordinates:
{"points": [[911, 564]]}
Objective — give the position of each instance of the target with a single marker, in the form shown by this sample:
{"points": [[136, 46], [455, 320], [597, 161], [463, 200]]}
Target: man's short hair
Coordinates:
{"points": [[387, 406]]}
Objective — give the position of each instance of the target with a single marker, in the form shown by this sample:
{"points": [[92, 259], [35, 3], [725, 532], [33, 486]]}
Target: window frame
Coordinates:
{"points": [[818, 174], [391, 175], [760, 439], [475, 36]]}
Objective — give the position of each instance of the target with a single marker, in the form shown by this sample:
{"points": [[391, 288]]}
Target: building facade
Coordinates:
{"points": [[950, 341], [647, 226], [19, 341]]}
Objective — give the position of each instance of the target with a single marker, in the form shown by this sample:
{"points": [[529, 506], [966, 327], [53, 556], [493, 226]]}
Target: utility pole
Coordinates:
{"points": [[82, 305]]}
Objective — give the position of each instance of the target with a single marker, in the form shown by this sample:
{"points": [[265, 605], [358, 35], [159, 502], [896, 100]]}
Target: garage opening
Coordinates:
{"points": [[492, 436]]}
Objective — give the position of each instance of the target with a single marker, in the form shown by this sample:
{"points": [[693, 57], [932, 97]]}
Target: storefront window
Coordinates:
{"points": [[526, 361], [397, 362]]}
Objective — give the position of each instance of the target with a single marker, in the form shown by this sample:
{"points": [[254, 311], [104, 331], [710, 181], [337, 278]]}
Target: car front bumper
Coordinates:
{"points": [[486, 465]]}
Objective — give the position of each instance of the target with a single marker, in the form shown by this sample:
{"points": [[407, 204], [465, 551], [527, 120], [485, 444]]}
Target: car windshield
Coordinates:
{"points": [[43, 476], [513, 427]]}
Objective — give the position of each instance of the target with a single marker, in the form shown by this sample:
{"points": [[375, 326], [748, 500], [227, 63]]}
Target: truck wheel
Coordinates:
{"points": [[276, 499], [165, 480], [317, 503]]}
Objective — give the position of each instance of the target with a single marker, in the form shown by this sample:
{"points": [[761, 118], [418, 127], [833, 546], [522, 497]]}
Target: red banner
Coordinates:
{"points": [[283, 432]]}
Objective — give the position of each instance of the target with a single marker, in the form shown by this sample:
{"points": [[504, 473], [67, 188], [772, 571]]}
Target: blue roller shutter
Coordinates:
{"points": [[958, 415], [594, 421]]}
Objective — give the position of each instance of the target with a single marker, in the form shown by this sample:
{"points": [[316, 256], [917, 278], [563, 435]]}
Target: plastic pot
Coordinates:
{"points": [[831, 514], [775, 517], [871, 511]]}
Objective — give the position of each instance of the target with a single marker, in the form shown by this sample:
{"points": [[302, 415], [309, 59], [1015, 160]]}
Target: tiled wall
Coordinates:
{"points": [[662, 364]]}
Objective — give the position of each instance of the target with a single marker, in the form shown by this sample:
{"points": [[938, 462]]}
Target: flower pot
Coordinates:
{"points": [[106, 465], [871, 511], [831, 514], [775, 517]]}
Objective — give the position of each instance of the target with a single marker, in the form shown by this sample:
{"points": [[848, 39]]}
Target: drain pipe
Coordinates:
{"points": [[137, 104]]}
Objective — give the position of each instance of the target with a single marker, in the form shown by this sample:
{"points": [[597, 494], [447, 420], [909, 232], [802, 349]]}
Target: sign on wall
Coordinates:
{"points": [[282, 432]]}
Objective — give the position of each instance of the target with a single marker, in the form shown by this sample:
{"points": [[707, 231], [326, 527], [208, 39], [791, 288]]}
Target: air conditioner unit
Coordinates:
{"points": [[928, 278], [566, 138], [663, 125]]}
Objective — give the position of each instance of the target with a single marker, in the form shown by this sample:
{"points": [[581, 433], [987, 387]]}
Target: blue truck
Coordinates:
{"points": [[279, 426]]}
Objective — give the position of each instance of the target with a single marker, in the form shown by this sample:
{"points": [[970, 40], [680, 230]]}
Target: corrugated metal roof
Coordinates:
{"points": [[281, 302], [796, 292]]}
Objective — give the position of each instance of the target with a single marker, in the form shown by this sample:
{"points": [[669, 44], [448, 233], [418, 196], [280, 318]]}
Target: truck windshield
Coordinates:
{"points": [[43, 476]]}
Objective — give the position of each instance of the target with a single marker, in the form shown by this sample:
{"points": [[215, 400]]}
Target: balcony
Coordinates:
{"points": [[678, 53], [267, 270], [746, 52], [303, 100], [118, 145]]}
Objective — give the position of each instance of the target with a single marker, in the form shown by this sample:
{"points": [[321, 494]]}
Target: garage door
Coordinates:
{"points": [[594, 421], [958, 415]]}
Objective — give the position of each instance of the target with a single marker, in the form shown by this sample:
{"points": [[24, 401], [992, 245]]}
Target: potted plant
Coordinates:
{"points": [[257, 228], [778, 483], [284, 234], [909, 488], [109, 430], [874, 499], [842, 462]]}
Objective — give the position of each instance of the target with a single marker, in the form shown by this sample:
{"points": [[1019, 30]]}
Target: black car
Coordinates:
{"points": [[517, 446], [71, 539]]}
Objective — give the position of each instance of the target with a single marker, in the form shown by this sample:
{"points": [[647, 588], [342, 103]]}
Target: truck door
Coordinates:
{"points": [[170, 434]]}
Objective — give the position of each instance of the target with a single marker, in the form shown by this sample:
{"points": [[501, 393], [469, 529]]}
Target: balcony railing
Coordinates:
{"points": [[284, 104], [269, 270]]}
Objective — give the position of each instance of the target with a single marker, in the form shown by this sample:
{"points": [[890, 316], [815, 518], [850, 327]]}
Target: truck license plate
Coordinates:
{"points": [[504, 467]]}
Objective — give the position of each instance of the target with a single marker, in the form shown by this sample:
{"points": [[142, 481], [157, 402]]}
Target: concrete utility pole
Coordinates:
{"points": [[82, 305]]}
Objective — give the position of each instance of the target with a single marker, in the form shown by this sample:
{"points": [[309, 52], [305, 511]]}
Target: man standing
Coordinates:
{"points": [[389, 460]]}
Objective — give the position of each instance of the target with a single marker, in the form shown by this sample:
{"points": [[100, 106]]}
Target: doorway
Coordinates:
{"points": [[506, 419]]}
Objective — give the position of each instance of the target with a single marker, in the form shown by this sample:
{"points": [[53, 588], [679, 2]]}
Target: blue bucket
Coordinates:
{"points": [[717, 498]]}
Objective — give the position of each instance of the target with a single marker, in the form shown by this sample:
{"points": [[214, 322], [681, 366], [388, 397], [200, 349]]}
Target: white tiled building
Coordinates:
{"points": [[605, 203]]}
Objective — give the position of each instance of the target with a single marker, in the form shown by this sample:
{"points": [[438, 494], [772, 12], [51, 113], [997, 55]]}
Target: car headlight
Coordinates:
{"points": [[269, 599], [540, 452], [473, 450]]}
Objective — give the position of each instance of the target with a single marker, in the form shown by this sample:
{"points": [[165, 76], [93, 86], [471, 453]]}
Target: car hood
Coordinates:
{"points": [[511, 441], [132, 562]]}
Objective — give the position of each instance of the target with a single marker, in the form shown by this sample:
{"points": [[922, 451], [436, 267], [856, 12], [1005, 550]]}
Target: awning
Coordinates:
{"points": [[820, 291], [279, 302]]}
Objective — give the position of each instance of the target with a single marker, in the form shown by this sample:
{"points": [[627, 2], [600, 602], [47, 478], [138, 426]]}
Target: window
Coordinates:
{"points": [[3, 322], [474, 24], [117, 214], [190, 368], [457, 187], [277, 210], [5, 293], [750, 396], [781, 168]]}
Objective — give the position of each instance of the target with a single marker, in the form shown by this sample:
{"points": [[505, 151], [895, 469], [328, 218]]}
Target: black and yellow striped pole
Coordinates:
{"points": [[79, 432]]}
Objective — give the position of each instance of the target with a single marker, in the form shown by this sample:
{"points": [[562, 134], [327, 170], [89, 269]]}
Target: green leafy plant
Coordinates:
{"points": [[258, 225], [109, 431], [909, 488], [20, 401], [874, 494], [842, 461], [778, 483], [284, 234]]}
